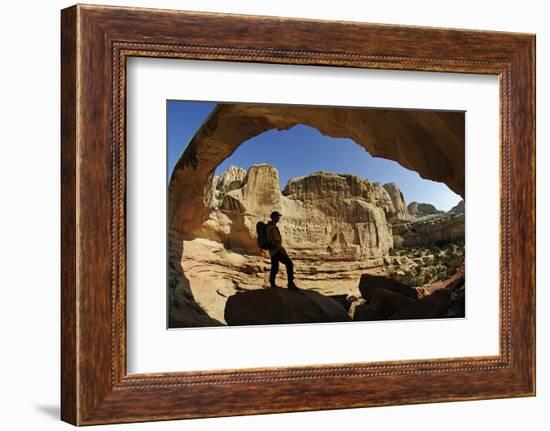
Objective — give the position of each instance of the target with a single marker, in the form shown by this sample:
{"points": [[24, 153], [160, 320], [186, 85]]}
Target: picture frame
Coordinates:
{"points": [[96, 42]]}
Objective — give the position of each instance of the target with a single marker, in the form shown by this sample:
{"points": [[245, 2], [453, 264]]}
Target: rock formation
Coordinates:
{"points": [[277, 306], [417, 209], [369, 283], [431, 143], [339, 229], [323, 213], [428, 307], [336, 226], [436, 229], [458, 208], [398, 201], [383, 298], [231, 179]]}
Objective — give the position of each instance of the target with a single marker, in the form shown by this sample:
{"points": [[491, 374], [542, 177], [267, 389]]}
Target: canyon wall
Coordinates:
{"points": [[323, 214]]}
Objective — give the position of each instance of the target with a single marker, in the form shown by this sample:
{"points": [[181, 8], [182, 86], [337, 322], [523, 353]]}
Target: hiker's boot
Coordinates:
{"points": [[292, 286]]}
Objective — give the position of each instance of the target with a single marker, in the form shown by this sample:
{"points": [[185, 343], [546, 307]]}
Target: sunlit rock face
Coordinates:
{"points": [[430, 143], [323, 214], [398, 202], [231, 179]]}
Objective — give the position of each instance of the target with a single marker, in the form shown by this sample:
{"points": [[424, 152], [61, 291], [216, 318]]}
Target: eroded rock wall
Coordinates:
{"points": [[323, 214]]}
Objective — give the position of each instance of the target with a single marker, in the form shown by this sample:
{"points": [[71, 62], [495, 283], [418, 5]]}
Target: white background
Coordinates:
{"points": [[29, 223], [151, 348]]}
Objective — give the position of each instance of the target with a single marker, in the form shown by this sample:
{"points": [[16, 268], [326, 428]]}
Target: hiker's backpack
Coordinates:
{"points": [[261, 232]]}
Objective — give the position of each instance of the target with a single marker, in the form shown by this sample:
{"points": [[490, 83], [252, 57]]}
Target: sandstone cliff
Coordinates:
{"points": [[323, 213]]}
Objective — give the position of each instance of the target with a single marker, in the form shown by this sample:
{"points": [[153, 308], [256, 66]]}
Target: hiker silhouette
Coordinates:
{"points": [[278, 252]]}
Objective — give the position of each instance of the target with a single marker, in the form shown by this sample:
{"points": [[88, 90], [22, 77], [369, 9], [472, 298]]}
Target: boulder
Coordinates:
{"points": [[431, 306], [278, 306], [362, 311], [369, 284], [388, 302], [381, 304], [455, 282]]}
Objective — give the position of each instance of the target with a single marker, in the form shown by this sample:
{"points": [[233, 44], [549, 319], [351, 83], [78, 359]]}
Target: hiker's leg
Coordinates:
{"points": [[289, 269], [274, 269]]}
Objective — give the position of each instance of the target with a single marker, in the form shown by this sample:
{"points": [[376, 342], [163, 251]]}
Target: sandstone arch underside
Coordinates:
{"points": [[430, 143]]}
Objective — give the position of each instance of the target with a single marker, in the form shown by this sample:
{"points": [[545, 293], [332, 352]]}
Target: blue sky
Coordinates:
{"points": [[302, 150]]}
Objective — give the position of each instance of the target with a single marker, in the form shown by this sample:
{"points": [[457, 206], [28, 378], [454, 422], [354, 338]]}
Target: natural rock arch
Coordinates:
{"points": [[428, 142]]}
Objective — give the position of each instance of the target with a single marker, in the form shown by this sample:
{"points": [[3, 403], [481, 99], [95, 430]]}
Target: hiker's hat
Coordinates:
{"points": [[275, 214]]}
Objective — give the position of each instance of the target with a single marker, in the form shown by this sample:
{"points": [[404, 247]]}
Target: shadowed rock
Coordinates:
{"points": [[278, 305], [388, 302], [431, 306], [183, 310], [455, 282], [362, 311], [368, 284], [382, 303], [458, 303], [389, 299], [455, 286]]}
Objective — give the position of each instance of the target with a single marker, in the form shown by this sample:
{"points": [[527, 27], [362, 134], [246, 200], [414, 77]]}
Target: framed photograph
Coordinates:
{"points": [[264, 214], [288, 188]]}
